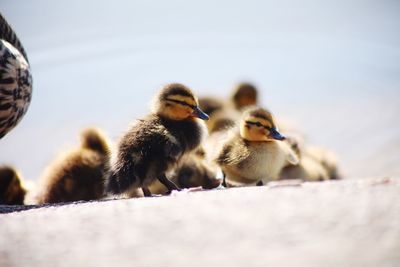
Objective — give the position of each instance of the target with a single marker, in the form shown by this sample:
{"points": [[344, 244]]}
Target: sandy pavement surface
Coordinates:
{"points": [[340, 223]]}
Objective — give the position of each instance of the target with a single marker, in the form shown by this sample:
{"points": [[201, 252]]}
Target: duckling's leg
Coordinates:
{"points": [[146, 192], [224, 179], [168, 183], [259, 183]]}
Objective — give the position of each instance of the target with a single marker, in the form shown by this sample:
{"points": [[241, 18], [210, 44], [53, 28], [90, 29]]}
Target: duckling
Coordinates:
{"points": [[194, 173], [15, 79], [326, 158], [155, 144], [12, 191], [256, 152], [223, 120], [78, 174], [308, 168], [223, 113], [191, 171], [210, 104], [244, 95]]}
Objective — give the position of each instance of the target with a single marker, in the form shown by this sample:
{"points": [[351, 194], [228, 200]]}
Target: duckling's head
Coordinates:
{"points": [[257, 124], [177, 102], [11, 190], [296, 143], [244, 95], [94, 139]]}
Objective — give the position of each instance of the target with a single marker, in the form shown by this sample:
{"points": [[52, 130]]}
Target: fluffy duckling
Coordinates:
{"points": [[78, 174], [15, 79], [192, 171], [211, 104], [153, 146], [12, 191], [256, 153], [326, 158], [308, 168], [244, 95], [223, 114], [223, 120]]}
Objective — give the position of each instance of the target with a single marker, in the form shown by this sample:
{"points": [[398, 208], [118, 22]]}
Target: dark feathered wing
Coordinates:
{"points": [[233, 152]]}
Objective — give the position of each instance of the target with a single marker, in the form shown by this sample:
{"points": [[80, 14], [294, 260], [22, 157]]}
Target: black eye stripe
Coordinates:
{"points": [[258, 124], [181, 102]]}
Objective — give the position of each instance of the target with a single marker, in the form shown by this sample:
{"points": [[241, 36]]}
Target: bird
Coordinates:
{"points": [[308, 168], [254, 153], [153, 145], [326, 158], [191, 171], [194, 172], [211, 104], [223, 120], [78, 174], [15, 79], [12, 189], [244, 95]]}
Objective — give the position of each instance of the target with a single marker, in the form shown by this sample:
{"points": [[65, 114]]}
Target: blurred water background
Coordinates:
{"points": [[332, 67]]}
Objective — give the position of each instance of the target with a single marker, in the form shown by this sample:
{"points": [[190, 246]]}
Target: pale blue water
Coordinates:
{"points": [[333, 68]]}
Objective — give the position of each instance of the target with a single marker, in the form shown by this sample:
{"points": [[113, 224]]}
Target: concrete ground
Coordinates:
{"points": [[339, 223]]}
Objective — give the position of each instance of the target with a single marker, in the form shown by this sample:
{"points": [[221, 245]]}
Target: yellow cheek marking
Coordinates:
{"points": [[177, 111], [183, 111]]}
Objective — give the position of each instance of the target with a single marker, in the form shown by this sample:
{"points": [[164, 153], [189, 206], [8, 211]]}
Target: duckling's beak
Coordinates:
{"points": [[198, 113], [276, 135]]}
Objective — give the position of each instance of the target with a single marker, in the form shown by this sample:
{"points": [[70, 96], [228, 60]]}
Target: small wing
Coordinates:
{"points": [[172, 150], [233, 153]]}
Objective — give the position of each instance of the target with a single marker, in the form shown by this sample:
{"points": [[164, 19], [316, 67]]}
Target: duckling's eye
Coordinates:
{"points": [[180, 102], [258, 124]]}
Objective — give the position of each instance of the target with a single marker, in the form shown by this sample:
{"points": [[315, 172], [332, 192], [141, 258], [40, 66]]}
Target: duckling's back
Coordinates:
{"points": [[79, 176], [308, 170], [93, 139]]}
